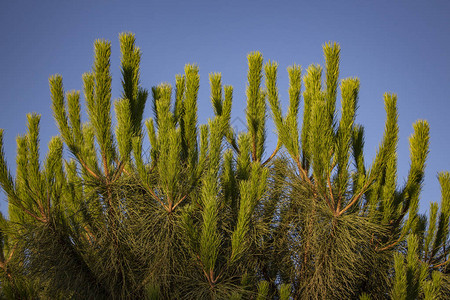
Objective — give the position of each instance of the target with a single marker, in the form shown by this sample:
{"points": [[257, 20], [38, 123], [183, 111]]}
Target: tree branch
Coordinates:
{"points": [[331, 194], [176, 204], [442, 264], [87, 168], [303, 172], [272, 155], [156, 197], [355, 198], [393, 244], [20, 205]]}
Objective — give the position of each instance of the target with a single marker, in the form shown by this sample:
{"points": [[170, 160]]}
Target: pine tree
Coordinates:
{"points": [[208, 213]]}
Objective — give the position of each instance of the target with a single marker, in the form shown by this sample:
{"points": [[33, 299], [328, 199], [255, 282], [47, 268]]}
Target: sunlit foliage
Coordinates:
{"points": [[205, 212]]}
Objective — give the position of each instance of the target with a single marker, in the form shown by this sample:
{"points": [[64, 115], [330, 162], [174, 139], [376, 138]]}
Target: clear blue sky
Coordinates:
{"points": [[397, 46]]}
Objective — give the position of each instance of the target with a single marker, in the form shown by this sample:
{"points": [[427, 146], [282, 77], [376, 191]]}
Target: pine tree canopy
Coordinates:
{"points": [[129, 207]]}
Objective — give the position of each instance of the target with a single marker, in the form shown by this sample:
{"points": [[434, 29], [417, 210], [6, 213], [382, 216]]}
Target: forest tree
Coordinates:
{"points": [[205, 212]]}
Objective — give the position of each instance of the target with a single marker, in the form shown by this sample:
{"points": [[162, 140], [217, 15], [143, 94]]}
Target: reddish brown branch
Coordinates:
{"points": [[442, 264], [90, 233], [119, 171], [393, 244], [48, 205], [5, 268], [85, 166], [355, 198], [253, 148], [19, 204], [105, 165], [11, 253], [272, 155], [176, 204], [331, 194], [156, 197], [303, 173]]}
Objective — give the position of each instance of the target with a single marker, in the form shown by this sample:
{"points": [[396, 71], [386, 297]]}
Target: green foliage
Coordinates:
{"points": [[204, 212]]}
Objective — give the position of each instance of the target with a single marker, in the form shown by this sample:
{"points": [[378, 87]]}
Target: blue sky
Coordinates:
{"points": [[392, 46]]}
